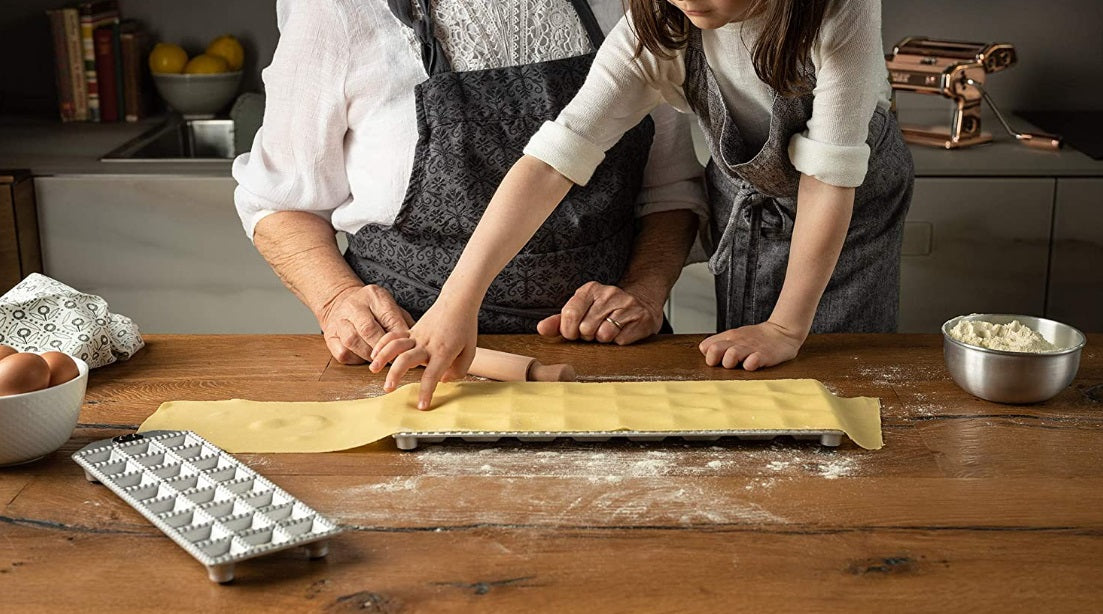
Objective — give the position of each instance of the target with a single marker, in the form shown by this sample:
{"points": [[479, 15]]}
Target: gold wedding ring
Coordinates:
{"points": [[613, 321]]}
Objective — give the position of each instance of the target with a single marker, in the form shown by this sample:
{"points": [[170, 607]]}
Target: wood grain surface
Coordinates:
{"points": [[971, 506]]}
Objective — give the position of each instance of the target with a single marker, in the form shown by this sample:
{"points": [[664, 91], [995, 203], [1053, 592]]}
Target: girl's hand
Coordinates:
{"points": [[443, 340], [760, 345]]}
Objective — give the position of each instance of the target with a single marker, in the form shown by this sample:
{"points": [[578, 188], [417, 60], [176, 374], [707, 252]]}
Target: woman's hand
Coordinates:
{"points": [[607, 314], [443, 340], [759, 345], [356, 319]]}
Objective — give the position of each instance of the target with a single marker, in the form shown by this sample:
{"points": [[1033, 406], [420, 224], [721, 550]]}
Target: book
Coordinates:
{"points": [[103, 40], [65, 102], [133, 44], [76, 63], [94, 14], [116, 47]]}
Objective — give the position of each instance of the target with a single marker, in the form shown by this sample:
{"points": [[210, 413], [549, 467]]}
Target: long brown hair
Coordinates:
{"points": [[780, 55]]}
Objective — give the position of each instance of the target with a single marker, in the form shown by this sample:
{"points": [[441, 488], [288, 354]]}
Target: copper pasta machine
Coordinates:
{"points": [[956, 70]]}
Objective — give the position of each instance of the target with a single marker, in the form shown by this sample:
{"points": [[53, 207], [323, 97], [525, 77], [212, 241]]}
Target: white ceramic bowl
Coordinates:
{"points": [[33, 424], [198, 95]]}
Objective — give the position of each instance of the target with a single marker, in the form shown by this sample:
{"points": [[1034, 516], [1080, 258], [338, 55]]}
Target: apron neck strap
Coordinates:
{"points": [[432, 52], [586, 15]]}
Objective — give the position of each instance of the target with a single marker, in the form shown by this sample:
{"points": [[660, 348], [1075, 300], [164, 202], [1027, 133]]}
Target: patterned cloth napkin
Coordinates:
{"points": [[41, 314]]}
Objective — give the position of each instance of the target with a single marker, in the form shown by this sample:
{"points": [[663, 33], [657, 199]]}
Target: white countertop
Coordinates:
{"points": [[48, 147]]}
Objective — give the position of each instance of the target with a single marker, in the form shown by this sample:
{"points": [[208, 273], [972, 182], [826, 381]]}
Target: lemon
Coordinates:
{"points": [[204, 64], [228, 48], [166, 57]]}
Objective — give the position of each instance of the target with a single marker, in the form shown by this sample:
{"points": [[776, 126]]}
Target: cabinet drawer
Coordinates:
{"points": [[168, 252], [1076, 265], [974, 245]]}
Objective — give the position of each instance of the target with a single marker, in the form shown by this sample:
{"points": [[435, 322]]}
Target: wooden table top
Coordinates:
{"points": [[970, 506]]}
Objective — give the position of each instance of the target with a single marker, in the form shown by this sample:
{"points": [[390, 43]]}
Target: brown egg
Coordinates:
{"points": [[23, 372], [7, 350], [62, 367]]}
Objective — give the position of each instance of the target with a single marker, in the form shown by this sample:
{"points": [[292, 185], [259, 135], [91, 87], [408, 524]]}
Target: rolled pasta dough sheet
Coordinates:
{"points": [[239, 425]]}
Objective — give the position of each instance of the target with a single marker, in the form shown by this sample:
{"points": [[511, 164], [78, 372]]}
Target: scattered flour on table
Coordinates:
{"points": [[637, 378], [598, 483], [1012, 337]]}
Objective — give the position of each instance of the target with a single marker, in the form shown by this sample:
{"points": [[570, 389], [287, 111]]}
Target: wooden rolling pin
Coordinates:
{"points": [[507, 367]]}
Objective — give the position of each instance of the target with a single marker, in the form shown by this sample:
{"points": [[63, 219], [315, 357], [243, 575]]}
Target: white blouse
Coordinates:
{"points": [[851, 81], [339, 125]]}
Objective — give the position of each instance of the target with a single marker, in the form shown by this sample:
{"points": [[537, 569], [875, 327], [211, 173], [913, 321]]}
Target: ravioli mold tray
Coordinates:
{"points": [[411, 440], [217, 509]]}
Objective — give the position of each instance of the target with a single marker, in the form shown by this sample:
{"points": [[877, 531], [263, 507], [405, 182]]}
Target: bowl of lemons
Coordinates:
{"points": [[202, 85]]}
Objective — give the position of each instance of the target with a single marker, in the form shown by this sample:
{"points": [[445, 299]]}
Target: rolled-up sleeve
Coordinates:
{"points": [[297, 161], [619, 91], [850, 80]]}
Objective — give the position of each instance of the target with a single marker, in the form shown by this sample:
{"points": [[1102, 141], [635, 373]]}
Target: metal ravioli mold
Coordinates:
{"points": [[217, 509], [411, 440]]}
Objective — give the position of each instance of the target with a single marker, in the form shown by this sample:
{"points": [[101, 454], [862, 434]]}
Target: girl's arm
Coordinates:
{"points": [[619, 91], [444, 338], [823, 216]]}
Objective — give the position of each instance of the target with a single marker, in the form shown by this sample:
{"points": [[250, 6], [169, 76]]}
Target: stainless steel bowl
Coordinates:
{"points": [[1014, 377]]}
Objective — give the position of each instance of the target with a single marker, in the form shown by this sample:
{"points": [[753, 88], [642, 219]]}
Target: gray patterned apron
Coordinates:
{"points": [[472, 127], [753, 200]]}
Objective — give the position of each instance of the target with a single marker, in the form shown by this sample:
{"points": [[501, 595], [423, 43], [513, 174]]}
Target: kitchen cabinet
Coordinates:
{"points": [[974, 245], [1075, 292], [167, 251], [692, 304], [20, 254]]}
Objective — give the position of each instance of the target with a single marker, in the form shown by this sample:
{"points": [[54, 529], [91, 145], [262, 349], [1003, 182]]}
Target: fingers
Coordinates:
{"points": [[605, 300], [725, 349], [606, 314], [341, 353], [714, 352], [356, 324], [388, 350], [734, 355], [433, 372], [607, 331], [575, 309], [402, 361], [752, 347], [549, 326], [355, 340]]}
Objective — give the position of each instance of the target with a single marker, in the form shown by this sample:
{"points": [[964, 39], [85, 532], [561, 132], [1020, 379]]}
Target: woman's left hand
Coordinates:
{"points": [[443, 340], [606, 314], [756, 346]]}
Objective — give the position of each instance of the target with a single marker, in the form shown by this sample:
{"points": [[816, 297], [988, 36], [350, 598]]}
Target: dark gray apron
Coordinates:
{"points": [[754, 203], [472, 127]]}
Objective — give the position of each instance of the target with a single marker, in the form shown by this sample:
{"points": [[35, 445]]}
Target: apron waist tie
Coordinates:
{"points": [[747, 197]]}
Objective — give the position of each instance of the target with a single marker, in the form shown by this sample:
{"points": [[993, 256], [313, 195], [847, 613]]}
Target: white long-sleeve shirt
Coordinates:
{"points": [[851, 80], [340, 129]]}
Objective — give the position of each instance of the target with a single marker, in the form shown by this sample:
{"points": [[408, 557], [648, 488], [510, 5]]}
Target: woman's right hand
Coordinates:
{"points": [[354, 320]]}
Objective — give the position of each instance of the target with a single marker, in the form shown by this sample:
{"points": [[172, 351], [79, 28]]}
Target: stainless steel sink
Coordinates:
{"points": [[178, 139]]}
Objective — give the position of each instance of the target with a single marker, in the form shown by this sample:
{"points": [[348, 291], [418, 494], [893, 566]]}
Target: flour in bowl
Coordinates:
{"points": [[1012, 337]]}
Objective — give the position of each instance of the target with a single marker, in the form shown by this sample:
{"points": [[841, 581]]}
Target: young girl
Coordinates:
{"points": [[793, 100]]}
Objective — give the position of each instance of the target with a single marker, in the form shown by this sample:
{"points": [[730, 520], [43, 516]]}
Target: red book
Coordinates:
{"points": [[94, 14], [103, 41], [132, 42]]}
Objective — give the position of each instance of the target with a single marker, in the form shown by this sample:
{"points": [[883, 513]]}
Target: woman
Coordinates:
{"points": [[394, 123]]}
